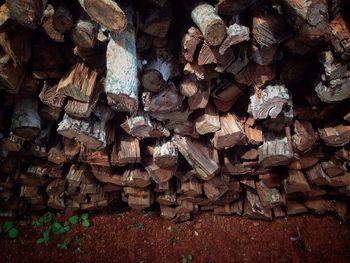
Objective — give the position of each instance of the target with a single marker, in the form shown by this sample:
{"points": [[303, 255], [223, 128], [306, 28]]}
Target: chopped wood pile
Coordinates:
{"points": [[236, 107]]}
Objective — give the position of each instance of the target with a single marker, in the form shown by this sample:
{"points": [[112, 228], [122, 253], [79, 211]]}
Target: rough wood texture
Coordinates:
{"points": [[305, 136], [296, 182], [317, 176], [230, 133], [197, 156], [11, 77], [212, 27], [271, 102], [276, 150], [236, 34], [253, 208], [126, 150], [62, 18], [25, 119], [335, 136], [208, 122], [83, 33], [165, 153], [190, 42], [121, 79], [107, 13], [27, 12], [79, 83], [91, 132]]}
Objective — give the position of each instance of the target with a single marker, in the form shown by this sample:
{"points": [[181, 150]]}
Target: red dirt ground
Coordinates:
{"points": [[208, 238]]}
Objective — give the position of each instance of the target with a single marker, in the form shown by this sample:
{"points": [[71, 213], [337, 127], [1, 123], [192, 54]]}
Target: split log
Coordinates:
{"points": [[295, 208], [210, 24], [167, 212], [269, 197], [296, 182], [71, 148], [264, 55], [166, 101], [271, 102], [47, 25], [107, 13], [141, 126], [304, 137], [276, 150], [236, 34], [83, 33], [50, 97], [319, 206], [254, 74], [254, 134], [269, 29], [138, 198], [192, 188], [253, 208], [226, 94], [233, 166], [11, 77], [159, 174], [165, 153], [200, 99], [136, 178], [27, 12], [335, 136], [25, 119], [158, 70], [12, 143], [341, 180], [62, 19], [197, 156], [333, 167], [208, 122], [340, 37], [190, 42], [121, 79], [317, 176], [91, 132], [56, 155], [189, 85], [230, 133], [336, 90], [126, 150], [6, 22], [79, 83]]}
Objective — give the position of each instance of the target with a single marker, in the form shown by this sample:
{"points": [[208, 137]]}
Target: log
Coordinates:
{"points": [[335, 136], [78, 83], [25, 118], [83, 33], [136, 178], [230, 133], [158, 70], [253, 208], [295, 183], [264, 55], [340, 37], [200, 99], [121, 79], [126, 150], [333, 167], [165, 153], [107, 13], [210, 24], [141, 126], [269, 197], [6, 22], [138, 198], [304, 137], [236, 34], [197, 156], [336, 90], [276, 150], [271, 102], [208, 122], [160, 175], [48, 27], [269, 29], [189, 85], [56, 155], [11, 77], [295, 208], [28, 13], [190, 42], [91, 132], [317, 176], [254, 74], [62, 18]]}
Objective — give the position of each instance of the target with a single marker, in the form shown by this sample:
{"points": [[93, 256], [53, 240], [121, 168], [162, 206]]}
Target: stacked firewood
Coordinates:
{"points": [[231, 106]]}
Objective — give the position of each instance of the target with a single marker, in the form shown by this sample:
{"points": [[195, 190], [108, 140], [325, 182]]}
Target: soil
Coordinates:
{"points": [[208, 238]]}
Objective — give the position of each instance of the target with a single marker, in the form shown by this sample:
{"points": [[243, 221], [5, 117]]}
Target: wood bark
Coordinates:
{"points": [[126, 150]]}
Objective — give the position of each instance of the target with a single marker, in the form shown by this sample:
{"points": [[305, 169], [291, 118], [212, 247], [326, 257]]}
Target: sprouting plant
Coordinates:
{"points": [[85, 220], [137, 226], [173, 236], [9, 229], [186, 259], [64, 244]]}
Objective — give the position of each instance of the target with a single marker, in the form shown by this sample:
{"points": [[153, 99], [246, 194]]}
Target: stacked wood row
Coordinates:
{"points": [[235, 107]]}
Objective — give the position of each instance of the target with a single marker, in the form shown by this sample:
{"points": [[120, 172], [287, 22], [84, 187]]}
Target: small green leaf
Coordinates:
{"points": [[189, 258], [184, 260], [41, 241], [8, 225], [85, 223], [85, 216], [47, 233], [73, 219], [13, 233], [139, 225]]}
